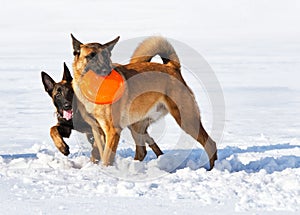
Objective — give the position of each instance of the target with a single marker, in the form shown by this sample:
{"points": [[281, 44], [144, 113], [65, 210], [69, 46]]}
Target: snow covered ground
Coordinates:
{"points": [[253, 48]]}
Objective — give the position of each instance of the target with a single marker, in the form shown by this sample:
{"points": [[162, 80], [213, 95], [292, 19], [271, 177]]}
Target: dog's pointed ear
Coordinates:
{"points": [[76, 45], [48, 83], [67, 74], [110, 45]]}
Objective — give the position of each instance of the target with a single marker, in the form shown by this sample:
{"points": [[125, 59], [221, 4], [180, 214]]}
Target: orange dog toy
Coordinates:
{"points": [[102, 89]]}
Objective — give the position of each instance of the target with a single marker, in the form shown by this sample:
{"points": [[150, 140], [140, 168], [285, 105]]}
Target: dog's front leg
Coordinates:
{"points": [[98, 146], [112, 139], [57, 133]]}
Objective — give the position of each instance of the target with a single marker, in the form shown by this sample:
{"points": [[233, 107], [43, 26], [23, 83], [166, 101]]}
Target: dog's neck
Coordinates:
{"points": [[81, 98]]}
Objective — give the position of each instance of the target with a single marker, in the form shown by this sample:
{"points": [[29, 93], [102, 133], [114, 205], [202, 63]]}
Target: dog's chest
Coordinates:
{"points": [[90, 107]]}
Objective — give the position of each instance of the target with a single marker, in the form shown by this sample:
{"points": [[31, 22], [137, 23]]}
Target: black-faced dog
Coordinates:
{"points": [[62, 95]]}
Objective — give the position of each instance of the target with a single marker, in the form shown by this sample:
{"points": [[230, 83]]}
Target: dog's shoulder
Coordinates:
{"points": [[65, 128]]}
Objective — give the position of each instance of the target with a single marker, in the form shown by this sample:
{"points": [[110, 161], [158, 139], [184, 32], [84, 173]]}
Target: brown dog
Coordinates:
{"points": [[152, 91], [69, 118]]}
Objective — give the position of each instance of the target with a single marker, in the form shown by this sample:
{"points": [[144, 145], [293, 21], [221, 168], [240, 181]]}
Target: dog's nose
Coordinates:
{"points": [[67, 106]]}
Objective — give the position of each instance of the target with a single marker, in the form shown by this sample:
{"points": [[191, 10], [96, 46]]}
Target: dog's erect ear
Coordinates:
{"points": [[110, 45], [67, 75], [48, 83], [76, 45]]}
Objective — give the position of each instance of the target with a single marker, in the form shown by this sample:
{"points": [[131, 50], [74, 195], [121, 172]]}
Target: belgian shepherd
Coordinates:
{"points": [[151, 91], [69, 118], [62, 95]]}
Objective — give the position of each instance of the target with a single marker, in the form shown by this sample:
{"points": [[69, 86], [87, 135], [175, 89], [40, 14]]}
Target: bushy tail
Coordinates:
{"points": [[156, 45]]}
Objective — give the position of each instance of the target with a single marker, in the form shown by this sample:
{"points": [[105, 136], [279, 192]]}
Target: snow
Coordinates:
{"points": [[253, 49]]}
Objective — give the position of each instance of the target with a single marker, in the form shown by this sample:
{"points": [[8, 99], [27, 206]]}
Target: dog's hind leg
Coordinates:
{"points": [[152, 144], [57, 133], [141, 136], [187, 115], [140, 147]]}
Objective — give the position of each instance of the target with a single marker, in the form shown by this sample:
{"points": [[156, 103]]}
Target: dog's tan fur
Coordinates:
{"points": [[152, 91]]}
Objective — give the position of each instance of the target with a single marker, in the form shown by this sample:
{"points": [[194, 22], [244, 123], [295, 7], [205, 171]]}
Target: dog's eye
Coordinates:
{"points": [[91, 55], [58, 94]]}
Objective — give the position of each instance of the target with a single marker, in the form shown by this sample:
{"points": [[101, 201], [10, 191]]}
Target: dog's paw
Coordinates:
{"points": [[64, 149], [212, 161], [140, 153], [95, 155], [94, 160]]}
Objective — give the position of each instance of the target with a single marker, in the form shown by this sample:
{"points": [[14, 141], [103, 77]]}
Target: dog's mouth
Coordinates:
{"points": [[99, 71], [68, 114], [103, 71]]}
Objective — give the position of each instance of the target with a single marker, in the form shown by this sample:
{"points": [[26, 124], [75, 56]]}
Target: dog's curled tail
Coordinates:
{"points": [[156, 45]]}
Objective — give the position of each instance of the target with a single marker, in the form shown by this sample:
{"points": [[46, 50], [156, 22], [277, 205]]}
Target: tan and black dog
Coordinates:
{"points": [[151, 91], [62, 95], [69, 117]]}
